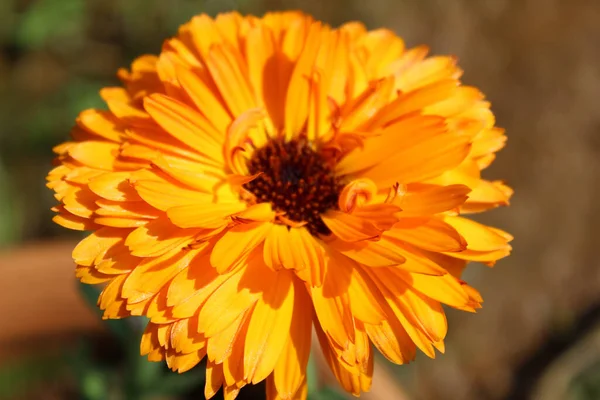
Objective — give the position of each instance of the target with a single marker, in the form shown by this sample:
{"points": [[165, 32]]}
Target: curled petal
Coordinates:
{"points": [[357, 192], [237, 138]]}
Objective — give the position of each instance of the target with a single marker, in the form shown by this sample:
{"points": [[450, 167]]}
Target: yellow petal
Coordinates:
{"points": [[297, 98], [95, 245], [238, 242], [186, 125], [71, 221], [433, 200], [111, 301], [332, 305], [201, 90], [225, 306], [348, 227], [295, 248], [221, 344], [418, 311], [258, 212], [422, 161], [229, 74], [153, 273], [207, 216], [381, 253], [114, 186], [123, 107], [214, 379], [192, 286], [81, 202], [429, 234], [415, 101], [290, 371], [445, 288], [365, 299], [185, 338], [102, 124], [352, 383], [392, 341], [158, 237], [164, 195], [356, 193], [200, 176], [99, 155], [478, 236], [269, 328], [403, 134]]}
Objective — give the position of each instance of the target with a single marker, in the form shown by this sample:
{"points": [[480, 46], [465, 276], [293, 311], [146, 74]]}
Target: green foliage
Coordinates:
{"points": [[15, 378], [586, 386], [50, 20], [8, 216], [327, 393]]}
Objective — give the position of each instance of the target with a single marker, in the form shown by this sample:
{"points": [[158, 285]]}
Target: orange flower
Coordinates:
{"points": [[263, 177]]}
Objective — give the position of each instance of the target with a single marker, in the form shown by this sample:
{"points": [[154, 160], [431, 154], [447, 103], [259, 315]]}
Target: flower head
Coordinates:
{"points": [[263, 177]]}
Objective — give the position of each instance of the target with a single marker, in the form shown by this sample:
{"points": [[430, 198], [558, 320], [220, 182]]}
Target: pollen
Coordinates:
{"points": [[296, 180]]}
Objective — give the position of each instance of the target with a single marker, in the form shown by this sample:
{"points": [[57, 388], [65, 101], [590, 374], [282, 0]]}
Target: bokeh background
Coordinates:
{"points": [[538, 61]]}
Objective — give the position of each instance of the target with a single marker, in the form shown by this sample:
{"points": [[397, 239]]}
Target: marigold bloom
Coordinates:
{"points": [[263, 177]]}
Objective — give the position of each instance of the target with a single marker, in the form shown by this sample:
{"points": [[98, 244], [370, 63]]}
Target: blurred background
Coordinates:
{"points": [[538, 61]]}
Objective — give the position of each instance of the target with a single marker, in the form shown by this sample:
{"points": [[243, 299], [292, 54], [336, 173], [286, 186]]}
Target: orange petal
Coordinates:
{"points": [[356, 193], [290, 371], [164, 195], [238, 242], [96, 245], [295, 248], [478, 236], [420, 162], [415, 101], [225, 305], [445, 288], [228, 72], [394, 139], [348, 227], [433, 200], [237, 136], [154, 273], [207, 216], [110, 300], [392, 341], [102, 124], [381, 253], [352, 383], [99, 155], [269, 328], [205, 96], [71, 221], [158, 237], [220, 345], [297, 98], [332, 304], [123, 106], [214, 379], [186, 125], [428, 233], [114, 186], [365, 299], [414, 310]]}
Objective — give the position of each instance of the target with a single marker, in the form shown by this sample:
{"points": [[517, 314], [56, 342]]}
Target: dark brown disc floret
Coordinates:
{"points": [[296, 180]]}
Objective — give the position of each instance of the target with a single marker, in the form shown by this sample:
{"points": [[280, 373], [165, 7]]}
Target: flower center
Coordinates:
{"points": [[296, 180]]}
